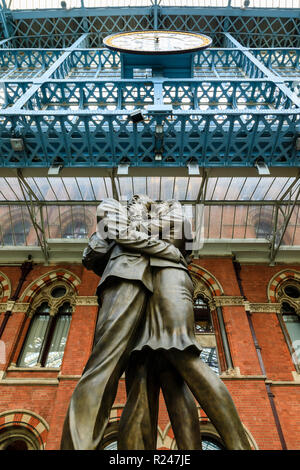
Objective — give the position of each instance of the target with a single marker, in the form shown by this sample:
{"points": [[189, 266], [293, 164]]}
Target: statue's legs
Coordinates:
{"points": [[147, 372], [171, 307], [181, 408], [138, 423], [88, 414], [213, 397]]}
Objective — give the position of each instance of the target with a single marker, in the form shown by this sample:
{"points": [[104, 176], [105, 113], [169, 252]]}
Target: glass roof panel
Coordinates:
{"points": [[45, 189], [72, 189], [86, 189], [101, 187], [10, 189], [234, 188], [182, 188], [167, 188]]}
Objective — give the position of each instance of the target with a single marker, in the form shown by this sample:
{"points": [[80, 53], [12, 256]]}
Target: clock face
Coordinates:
{"points": [[157, 42]]}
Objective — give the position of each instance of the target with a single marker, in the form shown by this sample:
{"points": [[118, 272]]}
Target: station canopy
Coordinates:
{"points": [[244, 208]]}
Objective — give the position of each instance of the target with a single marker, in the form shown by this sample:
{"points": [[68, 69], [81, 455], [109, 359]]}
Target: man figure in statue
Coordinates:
{"points": [[146, 309]]}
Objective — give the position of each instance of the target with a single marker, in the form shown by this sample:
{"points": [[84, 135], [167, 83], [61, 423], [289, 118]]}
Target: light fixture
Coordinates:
{"points": [[262, 167], [17, 144], [193, 168], [158, 156], [297, 144], [123, 169], [136, 116], [54, 169], [159, 129]]}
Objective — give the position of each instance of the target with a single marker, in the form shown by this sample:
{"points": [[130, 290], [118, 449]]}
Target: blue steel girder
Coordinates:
{"points": [[215, 119], [35, 28]]}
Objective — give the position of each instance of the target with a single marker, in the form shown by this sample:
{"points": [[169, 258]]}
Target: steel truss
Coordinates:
{"points": [[63, 99]]}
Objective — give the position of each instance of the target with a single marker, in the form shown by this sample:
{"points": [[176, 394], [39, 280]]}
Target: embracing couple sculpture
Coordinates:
{"points": [[146, 328]]}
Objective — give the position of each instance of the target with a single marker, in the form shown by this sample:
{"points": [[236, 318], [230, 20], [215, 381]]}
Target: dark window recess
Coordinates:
{"points": [[75, 230], [292, 291], [17, 234], [18, 444], [203, 323], [263, 230]]}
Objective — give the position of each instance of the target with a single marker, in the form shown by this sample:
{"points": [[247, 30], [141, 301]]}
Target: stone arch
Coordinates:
{"points": [[5, 287], [34, 427], [205, 282], [48, 278], [278, 279]]}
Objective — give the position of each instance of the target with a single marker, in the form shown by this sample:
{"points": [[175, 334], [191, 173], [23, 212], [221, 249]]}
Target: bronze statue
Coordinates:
{"points": [[146, 327]]}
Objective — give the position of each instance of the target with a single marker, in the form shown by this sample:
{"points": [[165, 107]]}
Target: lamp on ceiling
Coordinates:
{"points": [[193, 168], [123, 169], [17, 144], [54, 169], [262, 167], [136, 116]]}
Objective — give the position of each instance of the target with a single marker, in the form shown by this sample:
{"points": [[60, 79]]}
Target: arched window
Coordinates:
{"points": [[18, 438], [110, 438], [17, 233], [289, 297], [263, 229], [46, 338], [205, 333], [77, 229], [292, 324]]}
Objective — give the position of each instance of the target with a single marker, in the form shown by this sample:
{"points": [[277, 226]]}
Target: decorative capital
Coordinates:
{"points": [[86, 300], [263, 307], [21, 307], [228, 300]]}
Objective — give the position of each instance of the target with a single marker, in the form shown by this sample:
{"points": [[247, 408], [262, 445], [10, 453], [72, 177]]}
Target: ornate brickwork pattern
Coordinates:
{"points": [[46, 279], [278, 279], [28, 420]]}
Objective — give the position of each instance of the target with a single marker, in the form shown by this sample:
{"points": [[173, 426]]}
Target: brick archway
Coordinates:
{"points": [[278, 279], [46, 279], [27, 420], [212, 284]]}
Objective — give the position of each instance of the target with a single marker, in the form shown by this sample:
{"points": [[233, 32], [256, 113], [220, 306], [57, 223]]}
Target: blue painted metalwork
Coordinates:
{"points": [[253, 27], [70, 104]]}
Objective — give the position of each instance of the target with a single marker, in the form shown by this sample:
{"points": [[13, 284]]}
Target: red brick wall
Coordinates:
{"points": [[249, 393]]}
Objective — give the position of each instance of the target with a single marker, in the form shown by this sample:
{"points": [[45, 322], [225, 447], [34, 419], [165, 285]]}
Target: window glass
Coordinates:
{"points": [[202, 316], [210, 444], [112, 446], [17, 234], [35, 337], [209, 356], [292, 323], [46, 339], [77, 230], [59, 338]]}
